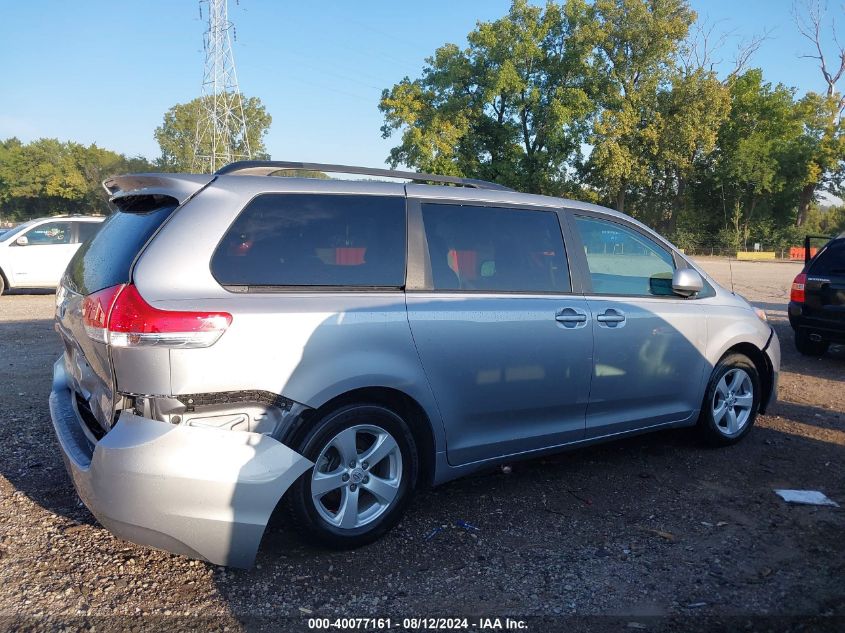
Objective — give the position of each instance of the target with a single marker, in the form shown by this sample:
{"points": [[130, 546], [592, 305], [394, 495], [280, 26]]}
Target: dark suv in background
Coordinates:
{"points": [[817, 300]]}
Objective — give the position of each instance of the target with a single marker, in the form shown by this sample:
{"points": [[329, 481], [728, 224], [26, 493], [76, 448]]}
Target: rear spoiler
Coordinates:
{"points": [[177, 186]]}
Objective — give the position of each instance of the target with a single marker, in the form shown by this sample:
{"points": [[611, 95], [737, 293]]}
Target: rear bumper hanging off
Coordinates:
{"points": [[201, 492]]}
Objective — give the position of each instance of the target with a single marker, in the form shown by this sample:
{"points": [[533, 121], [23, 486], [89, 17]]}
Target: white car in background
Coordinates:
{"points": [[36, 253]]}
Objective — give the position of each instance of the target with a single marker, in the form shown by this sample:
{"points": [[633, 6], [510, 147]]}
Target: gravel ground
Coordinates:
{"points": [[651, 533]]}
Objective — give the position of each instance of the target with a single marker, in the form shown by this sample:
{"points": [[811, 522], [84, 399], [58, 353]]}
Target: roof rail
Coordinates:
{"points": [[267, 167]]}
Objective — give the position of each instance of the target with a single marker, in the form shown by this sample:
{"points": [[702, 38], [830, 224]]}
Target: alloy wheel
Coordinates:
{"points": [[733, 402], [356, 476]]}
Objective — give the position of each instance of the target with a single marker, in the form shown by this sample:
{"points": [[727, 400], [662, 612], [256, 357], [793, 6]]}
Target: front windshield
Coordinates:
{"points": [[15, 231]]}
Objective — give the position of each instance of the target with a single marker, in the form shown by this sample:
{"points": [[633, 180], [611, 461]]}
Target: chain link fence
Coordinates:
{"points": [[719, 249]]}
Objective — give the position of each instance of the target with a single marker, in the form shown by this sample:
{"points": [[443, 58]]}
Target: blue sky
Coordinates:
{"points": [[105, 71]]}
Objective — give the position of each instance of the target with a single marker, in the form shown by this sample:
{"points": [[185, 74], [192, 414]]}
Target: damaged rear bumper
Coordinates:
{"points": [[201, 492]]}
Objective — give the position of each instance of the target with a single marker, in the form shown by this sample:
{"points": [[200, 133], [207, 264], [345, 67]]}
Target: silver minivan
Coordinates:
{"points": [[240, 340]]}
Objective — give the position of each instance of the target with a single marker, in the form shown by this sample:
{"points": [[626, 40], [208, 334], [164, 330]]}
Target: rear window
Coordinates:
{"points": [[830, 260], [315, 240], [87, 230], [106, 260]]}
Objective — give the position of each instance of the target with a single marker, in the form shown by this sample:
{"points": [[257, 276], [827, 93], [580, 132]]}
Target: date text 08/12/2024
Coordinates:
{"points": [[418, 624]]}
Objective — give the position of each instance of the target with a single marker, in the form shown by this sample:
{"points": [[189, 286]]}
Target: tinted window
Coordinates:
{"points": [[831, 260], [50, 233], [16, 231], [623, 261], [314, 240], [105, 260], [495, 249], [87, 230]]}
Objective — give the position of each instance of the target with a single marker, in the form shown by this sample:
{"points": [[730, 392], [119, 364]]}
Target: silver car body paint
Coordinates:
{"points": [[495, 375], [205, 493]]}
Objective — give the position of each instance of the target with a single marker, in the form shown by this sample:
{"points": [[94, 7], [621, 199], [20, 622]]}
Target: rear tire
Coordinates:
{"points": [[2, 283], [807, 347], [366, 468], [731, 401]]}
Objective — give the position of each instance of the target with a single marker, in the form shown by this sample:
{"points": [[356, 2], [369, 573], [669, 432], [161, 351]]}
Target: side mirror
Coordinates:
{"points": [[686, 282], [23, 240]]}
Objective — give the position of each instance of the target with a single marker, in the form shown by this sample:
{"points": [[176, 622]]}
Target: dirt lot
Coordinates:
{"points": [[655, 531]]}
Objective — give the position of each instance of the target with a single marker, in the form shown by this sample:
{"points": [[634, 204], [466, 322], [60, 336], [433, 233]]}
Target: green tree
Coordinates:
{"points": [[514, 106], [636, 45], [96, 164], [687, 119], [47, 177], [614, 101], [827, 221], [755, 165], [823, 147], [818, 155], [38, 174], [177, 133]]}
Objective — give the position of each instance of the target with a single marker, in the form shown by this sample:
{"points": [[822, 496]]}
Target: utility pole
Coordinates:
{"points": [[221, 135]]}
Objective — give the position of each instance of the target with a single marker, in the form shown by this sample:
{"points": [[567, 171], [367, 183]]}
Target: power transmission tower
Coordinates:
{"points": [[221, 129]]}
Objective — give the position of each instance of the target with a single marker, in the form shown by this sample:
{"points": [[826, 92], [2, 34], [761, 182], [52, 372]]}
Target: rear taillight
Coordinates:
{"points": [[95, 312], [797, 293], [120, 317]]}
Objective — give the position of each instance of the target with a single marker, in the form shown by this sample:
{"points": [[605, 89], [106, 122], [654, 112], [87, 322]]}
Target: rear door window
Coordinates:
{"points": [[495, 249], [831, 260], [86, 230], [315, 240], [623, 261]]}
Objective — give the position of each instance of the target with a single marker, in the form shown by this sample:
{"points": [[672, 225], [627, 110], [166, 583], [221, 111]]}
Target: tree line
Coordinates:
{"points": [[48, 176], [621, 102]]}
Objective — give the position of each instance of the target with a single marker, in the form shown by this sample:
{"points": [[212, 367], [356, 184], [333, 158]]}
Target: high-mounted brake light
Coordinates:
{"points": [[120, 317], [797, 292]]}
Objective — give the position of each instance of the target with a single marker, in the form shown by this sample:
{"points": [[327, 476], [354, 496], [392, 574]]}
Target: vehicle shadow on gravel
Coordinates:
{"points": [[47, 484], [814, 416], [591, 525], [30, 457], [501, 490]]}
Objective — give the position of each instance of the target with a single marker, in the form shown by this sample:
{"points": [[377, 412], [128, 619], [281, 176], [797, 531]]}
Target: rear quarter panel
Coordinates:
{"points": [[307, 346]]}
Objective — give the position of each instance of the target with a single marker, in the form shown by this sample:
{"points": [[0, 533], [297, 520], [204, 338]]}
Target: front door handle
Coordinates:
{"points": [[570, 317], [611, 317]]}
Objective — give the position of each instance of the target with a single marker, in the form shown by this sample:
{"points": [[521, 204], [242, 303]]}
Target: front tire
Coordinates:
{"points": [[807, 347], [731, 401], [365, 470]]}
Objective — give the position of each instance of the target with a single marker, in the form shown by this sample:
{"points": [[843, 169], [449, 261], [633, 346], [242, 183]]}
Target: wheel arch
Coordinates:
{"points": [[761, 363], [394, 399]]}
